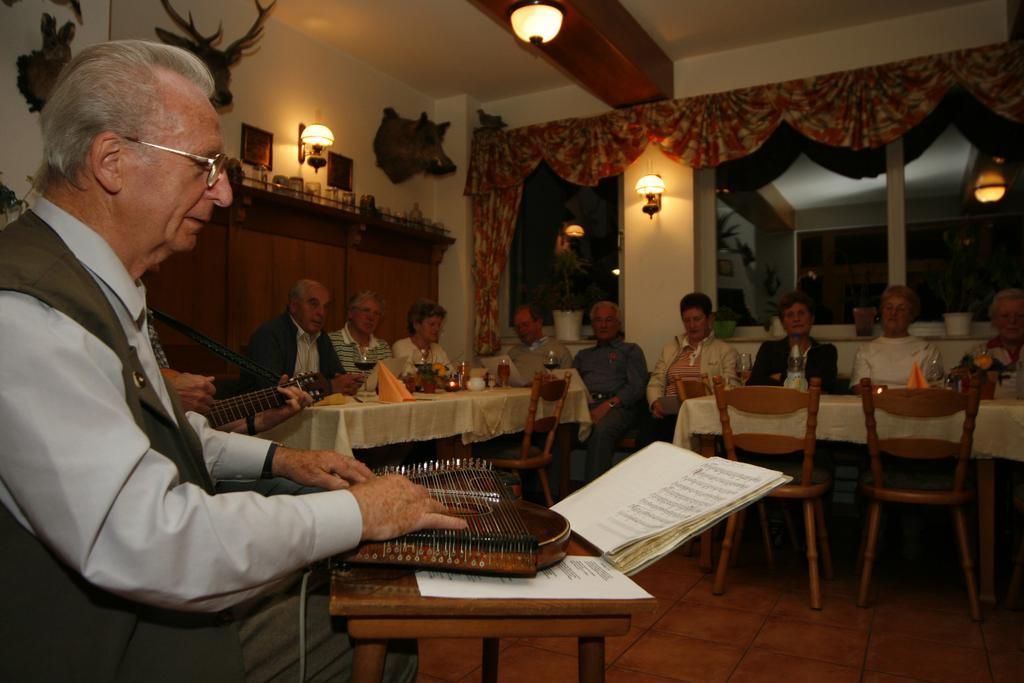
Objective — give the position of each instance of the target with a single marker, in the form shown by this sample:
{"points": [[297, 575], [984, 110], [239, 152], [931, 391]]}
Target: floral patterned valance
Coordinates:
{"points": [[859, 109]]}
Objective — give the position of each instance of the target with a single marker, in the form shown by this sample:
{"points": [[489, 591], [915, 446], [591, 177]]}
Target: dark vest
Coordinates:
{"points": [[54, 625]]}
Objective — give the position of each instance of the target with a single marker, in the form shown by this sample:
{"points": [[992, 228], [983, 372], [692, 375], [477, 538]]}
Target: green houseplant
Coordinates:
{"points": [[725, 322], [566, 293]]}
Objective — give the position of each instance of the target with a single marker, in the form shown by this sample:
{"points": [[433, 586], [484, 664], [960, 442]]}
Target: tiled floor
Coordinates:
{"points": [[916, 629]]}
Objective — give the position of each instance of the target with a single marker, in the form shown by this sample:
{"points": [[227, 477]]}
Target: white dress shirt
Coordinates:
{"points": [[77, 472]]}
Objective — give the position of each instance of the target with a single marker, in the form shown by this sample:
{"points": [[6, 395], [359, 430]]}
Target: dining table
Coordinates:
{"points": [[457, 419], [998, 434]]}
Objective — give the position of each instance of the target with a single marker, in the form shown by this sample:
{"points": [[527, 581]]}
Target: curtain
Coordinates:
{"points": [[841, 120]]}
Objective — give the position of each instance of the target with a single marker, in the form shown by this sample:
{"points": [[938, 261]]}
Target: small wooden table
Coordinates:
{"points": [[381, 604]]}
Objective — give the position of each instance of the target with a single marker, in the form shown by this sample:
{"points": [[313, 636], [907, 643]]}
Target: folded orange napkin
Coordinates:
{"points": [[389, 388], [916, 379]]}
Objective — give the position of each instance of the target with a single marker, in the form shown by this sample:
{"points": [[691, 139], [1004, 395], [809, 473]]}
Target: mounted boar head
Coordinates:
{"points": [[404, 147], [219, 63]]}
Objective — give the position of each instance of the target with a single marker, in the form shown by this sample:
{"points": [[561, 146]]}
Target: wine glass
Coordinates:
{"points": [[365, 364], [745, 367], [933, 373], [551, 361], [504, 372]]}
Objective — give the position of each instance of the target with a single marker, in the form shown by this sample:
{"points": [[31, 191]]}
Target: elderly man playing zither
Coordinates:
{"points": [[119, 562]]}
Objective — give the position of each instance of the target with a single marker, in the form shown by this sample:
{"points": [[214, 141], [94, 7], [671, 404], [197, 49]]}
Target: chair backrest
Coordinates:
{"points": [[769, 401], [691, 389], [919, 403], [551, 391]]}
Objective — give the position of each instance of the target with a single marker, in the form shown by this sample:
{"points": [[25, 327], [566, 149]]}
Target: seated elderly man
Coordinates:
{"points": [[120, 560], [1007, 316], [292, 343], [615, 372], [535, 348], [355, 343]]}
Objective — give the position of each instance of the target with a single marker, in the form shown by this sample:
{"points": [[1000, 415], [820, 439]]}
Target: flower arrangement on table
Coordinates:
{"points": [[430, 375], [982, 370]]}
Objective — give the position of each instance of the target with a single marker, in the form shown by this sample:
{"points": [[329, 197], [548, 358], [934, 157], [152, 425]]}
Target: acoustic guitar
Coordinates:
{"points": [[242, 406]]}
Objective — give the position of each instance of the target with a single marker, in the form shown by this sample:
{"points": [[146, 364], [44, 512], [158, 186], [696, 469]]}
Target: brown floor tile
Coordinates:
{"points": [[875, 677], [906, 593], [841, 646], [836, 610], [763, 666], [449, 659], [1002, 631], [916, 658], [709, 622], [613, 645], [523, 663], [1007, 667], [617, 675], [945, 627], [758, 598], [664, 584], [689, 659], [843, 585], [647, 620]]}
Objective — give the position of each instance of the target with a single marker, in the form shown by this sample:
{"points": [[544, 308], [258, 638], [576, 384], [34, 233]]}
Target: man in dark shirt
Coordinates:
{"points": [[615, 372]]}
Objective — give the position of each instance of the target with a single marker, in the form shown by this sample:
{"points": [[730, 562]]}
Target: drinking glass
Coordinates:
{"points": [[933, 372], [365, 364], [504, 371], [745, 366], [551, 361]]}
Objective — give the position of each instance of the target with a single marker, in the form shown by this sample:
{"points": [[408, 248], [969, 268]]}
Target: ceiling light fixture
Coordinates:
{"points": [[990, 193], [651, 186], [536, 21], [313, 139]]}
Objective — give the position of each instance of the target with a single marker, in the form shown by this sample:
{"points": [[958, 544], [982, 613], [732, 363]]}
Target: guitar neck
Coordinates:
{"points": [[240, 407]]}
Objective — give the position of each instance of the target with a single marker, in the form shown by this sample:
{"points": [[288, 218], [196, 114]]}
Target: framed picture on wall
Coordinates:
{"points": [[339, 172], [257, 147], [725, 267]]}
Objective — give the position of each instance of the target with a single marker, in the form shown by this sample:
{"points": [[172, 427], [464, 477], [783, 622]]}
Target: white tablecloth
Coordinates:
{"points": [[475, 415], [999, 431]]}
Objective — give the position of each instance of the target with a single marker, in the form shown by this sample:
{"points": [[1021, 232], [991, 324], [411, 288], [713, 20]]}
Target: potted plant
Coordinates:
{"points": [[958, 284], [863, 305], [725, 322], [562, 294], [429, 376]]}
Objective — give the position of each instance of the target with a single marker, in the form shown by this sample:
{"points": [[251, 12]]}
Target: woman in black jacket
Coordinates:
{"points": [[773, 356]]}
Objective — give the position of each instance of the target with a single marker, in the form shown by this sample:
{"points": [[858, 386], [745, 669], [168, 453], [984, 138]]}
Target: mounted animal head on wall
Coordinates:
{"points": [[38, 70], [218, 62], [404, 147]]}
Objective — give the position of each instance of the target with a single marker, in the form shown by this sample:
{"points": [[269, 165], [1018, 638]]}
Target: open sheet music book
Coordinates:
{"points": [[659, 498]]}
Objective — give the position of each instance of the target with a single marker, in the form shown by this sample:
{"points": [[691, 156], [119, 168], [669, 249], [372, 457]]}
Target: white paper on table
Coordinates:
{"points": [[574, 578]]}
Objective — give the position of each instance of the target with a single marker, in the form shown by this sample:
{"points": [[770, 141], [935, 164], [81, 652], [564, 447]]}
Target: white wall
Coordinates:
{"points": [[21, 150]]}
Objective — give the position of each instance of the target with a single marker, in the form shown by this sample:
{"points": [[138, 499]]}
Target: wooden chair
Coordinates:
{"points": [[1018, 563], [793, 456], [530, 457], [904, 481]]}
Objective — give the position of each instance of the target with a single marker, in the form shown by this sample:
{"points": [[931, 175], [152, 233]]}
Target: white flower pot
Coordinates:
{"points": [[957, 324], [568, 324]]}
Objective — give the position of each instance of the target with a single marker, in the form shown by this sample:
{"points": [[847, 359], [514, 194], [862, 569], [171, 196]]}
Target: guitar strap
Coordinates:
{"points": [[216, 347]]}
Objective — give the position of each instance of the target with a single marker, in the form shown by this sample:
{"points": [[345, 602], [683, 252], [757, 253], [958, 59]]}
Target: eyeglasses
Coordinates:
{"points": [[1010, 317], [213, 166]]}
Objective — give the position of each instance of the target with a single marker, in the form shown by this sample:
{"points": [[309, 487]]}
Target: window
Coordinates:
{"points": [[549, 203]]}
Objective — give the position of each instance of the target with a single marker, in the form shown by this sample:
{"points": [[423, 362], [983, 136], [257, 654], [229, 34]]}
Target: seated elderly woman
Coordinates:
{"points": [[697, 356], [424, 321], [890, 359], [795, 309]]}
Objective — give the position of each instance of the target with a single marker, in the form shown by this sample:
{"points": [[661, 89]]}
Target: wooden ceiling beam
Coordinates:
{"points": [[765, 207], [603, 48]]}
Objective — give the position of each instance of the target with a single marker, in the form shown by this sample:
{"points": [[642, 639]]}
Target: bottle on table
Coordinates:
{"points": [[795, 367]]}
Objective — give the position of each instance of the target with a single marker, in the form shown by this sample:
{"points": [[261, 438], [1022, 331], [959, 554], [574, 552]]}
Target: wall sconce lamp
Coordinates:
{"points": [[990, 192], [574, 230], [536, 21], [313, 139], [651, 186]]}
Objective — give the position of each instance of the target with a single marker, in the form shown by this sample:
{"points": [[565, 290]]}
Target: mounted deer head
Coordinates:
{"points": [[219, 62]]}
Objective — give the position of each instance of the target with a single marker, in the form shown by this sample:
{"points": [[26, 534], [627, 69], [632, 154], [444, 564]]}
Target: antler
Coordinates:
{"points": [[234, 50], [190, 27]]}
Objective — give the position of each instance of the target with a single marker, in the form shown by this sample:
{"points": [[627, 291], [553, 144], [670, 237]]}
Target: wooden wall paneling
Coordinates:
{"points": [[251, 288], [192, 287], [398, 281]]}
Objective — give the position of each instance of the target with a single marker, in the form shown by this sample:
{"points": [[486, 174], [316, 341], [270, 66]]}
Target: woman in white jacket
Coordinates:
{"points": [[695, 356]]}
